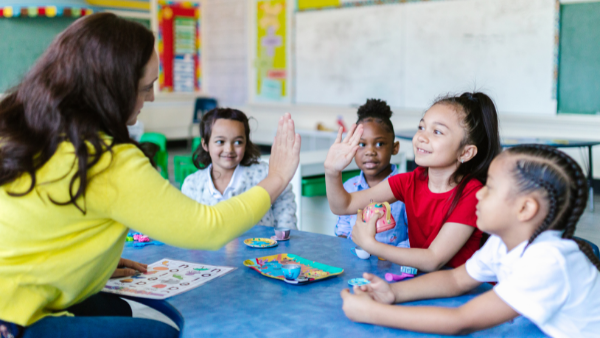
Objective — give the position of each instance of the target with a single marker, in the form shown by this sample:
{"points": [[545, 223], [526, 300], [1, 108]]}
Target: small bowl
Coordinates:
{"points": [[362, 254], [282, 234], [291, 271]]}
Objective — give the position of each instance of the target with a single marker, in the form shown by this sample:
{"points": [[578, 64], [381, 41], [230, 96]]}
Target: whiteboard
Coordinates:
{"points": [[408, 54], [344, 56]]}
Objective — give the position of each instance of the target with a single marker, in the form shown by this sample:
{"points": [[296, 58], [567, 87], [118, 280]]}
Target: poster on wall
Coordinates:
{"points": [[179, 46], [271, 68]]}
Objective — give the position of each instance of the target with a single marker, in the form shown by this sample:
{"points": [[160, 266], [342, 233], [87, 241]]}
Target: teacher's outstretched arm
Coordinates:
{"points": [[131, 192]]}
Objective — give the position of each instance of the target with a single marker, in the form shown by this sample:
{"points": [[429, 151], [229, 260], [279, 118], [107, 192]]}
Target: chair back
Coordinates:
{"points": [[594, 246], [203, 105], [157, 138]]}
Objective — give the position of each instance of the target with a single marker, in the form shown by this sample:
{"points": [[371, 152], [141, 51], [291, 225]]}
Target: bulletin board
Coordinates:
{"points": [[271, 50], [579, 75], [179, 46]]}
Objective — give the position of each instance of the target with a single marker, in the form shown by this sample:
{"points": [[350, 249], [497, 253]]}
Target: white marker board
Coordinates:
{"points": [[408, 54]]}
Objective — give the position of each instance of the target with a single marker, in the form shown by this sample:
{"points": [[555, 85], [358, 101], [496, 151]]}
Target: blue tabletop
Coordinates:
{"points": [[408, 134], [246, 303]]}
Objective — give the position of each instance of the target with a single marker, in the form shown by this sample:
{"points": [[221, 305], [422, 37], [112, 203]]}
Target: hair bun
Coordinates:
{"points": [[375, 108]]}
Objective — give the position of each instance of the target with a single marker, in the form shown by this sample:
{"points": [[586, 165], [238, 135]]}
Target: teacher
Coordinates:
{"points": [[72, 182]]}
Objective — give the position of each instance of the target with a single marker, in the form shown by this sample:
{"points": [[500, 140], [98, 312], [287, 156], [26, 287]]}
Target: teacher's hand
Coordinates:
{"points": [[285, 157], [128, 267]]}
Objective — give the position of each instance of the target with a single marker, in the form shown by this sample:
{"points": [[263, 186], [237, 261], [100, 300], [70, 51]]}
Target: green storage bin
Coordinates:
{"points": [[315, 185]]}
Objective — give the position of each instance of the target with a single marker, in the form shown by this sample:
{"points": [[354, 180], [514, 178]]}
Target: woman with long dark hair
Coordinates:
{"points": [[72, 182]]}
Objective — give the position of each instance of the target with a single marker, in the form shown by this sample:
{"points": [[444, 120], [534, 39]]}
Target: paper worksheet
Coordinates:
{"points": [[165, 278]]}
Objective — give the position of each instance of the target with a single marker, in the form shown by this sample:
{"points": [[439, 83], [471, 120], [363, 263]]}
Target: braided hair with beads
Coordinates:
{"points": [[544, 168]]}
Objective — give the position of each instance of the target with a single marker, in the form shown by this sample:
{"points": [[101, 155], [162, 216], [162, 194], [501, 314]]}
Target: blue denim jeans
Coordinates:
{"points": [[101, 315], [99, 327]]}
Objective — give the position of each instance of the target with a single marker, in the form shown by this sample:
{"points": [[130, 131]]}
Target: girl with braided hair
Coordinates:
{"points": [[530, 205]]}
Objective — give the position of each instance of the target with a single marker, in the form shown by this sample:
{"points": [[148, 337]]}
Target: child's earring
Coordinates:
{"points": [[462, 160]]}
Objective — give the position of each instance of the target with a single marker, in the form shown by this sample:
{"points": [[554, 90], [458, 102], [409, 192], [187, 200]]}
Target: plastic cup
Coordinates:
{"points": [[291, 271], [282, 234], [362, 254]]}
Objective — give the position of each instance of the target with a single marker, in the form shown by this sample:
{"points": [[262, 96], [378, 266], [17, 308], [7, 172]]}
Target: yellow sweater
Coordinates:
{"points": [[52, 256]]}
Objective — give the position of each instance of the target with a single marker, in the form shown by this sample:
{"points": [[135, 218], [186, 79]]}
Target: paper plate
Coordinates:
{"points": [[260, 243], [270, 266], [358, 281]]}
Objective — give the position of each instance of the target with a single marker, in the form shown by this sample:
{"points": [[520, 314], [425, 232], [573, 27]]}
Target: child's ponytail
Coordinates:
{"points": [[481, 124], [542, 167]]}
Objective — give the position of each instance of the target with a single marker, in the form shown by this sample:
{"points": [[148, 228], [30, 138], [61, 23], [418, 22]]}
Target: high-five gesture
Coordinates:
{"points": [[342, 152], [285, 156]]}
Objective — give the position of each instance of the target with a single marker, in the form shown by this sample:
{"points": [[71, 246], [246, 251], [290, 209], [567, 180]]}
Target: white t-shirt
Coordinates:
{"points": [[552, 283]]}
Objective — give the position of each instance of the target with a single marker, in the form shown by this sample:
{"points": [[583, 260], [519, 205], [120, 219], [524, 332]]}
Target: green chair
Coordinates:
{"points": [[183, 164], [195, 144], [162, 156]]}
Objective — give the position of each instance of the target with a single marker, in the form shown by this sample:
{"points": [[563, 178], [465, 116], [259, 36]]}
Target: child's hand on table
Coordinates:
{"points": [[341, 153], [363, 233], [379, 290], [357, 306], [128, 267]]}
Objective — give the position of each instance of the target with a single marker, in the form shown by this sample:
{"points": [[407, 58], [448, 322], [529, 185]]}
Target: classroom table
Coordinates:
{"points": [[507, 142], [245, 303]]}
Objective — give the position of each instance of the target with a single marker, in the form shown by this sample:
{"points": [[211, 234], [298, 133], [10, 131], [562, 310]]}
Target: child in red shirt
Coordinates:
{"points": [[454, 146]]}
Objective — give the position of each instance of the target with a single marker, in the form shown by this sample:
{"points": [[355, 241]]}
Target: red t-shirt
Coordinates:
{"points": [[426, 211]]}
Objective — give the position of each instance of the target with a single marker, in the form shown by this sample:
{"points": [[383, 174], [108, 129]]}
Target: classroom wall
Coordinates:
{"points": [[22, 42], [224, 49]]}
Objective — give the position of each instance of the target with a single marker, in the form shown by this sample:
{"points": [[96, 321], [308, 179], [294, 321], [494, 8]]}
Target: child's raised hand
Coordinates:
{"points": [[342, 152], [363, 233], [378, 289]]}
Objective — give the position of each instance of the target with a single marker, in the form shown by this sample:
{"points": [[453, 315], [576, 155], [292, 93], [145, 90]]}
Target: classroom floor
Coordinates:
{"points": [[316, 216]]}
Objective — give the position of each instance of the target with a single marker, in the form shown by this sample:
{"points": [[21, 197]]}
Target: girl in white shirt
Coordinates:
{"points": [[531, 203], [231, 166]]}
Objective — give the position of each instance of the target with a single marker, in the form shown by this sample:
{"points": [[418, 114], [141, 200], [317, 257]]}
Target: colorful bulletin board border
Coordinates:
{"points": [[135, 5], [179, 46], [271, 50], [43, 11], [311, 5]]}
